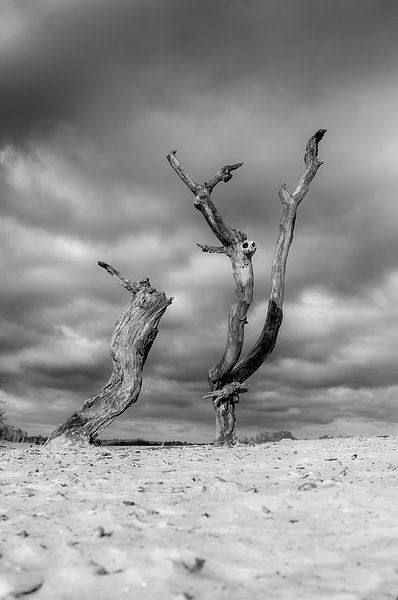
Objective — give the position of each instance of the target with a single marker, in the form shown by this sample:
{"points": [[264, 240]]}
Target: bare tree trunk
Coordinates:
{"points": [[227, 376], [226, 423], [133, 336], [224, 401]]}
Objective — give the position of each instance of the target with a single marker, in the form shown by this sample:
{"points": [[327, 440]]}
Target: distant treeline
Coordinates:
{"points": [[260, 438], [15, 434], [141, 442], [266, 436]]}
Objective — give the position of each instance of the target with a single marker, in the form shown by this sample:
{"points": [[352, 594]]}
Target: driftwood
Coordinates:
{"points": [[225, 378], [133, 336]]}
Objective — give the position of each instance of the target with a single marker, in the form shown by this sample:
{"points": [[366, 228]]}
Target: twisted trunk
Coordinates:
{"points": [[133, 336]]}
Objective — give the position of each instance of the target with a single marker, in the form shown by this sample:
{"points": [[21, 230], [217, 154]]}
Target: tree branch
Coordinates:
{"points": [[131, 286], [213, 249], [182, 173], [312, 163], [235, 245], [224, 174], [221, 230], [242, 271], [232, 389], [226, 234], [288, 217], [267, 340], [263, 346]]}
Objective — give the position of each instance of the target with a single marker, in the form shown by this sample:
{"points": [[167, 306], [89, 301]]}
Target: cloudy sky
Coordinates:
{"points": [[93, 95]]}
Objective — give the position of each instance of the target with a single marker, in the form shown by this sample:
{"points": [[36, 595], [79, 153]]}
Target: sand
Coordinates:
{"points": [[296, 519]]}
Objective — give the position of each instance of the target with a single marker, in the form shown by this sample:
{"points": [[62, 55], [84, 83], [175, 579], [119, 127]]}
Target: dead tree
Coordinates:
{"points": [[227, 377], [133, 336]]}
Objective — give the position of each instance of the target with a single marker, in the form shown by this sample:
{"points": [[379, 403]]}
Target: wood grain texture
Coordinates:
{"points": [[240, 251], [273, 320], [132, 339]]}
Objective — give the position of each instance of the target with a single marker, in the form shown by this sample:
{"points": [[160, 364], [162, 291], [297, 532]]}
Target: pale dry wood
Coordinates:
{"points": [[226, 234], [240, 251], [290, 202], [231, 371], [131, 286], [132, 339], [213, 249], [224, 174]]}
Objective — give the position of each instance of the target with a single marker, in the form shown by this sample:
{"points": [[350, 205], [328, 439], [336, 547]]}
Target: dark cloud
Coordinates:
{"points": [[69, 59], [93, 95]]}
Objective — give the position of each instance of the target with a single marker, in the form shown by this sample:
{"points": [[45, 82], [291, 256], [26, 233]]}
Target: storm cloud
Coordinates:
{"points": [[93, 95]]}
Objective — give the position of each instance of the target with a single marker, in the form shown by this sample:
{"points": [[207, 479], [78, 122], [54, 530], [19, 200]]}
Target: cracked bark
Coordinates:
{"points": [[132, 339], [227, 376]]}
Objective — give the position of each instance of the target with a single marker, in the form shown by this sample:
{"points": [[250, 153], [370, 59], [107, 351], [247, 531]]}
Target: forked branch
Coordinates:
{"points": [[224, 174], [267, 340], [227, 376], [226, 234], [240, 251]]}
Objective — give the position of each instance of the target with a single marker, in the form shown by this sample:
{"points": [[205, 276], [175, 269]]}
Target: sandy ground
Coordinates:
{"points": [[303, 519]]}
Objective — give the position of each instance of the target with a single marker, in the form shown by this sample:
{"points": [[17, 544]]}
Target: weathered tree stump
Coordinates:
{"points": [[227, 376], [133, 336]]}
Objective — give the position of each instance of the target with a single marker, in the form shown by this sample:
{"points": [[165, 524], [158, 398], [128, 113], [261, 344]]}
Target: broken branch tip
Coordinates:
{"points": [[171, 156], [318, 135]]}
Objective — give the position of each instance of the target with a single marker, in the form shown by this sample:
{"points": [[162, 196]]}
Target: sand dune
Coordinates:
{"points": [[296, 519]]}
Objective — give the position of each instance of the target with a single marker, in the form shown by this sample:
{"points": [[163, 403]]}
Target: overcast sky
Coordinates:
{"points": [[93, 95]]}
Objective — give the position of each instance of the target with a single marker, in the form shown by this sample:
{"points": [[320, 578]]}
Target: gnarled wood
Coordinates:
{"points": [[228, 391], [133, 336], [240, 251], [273, 320], [227, 376]]}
